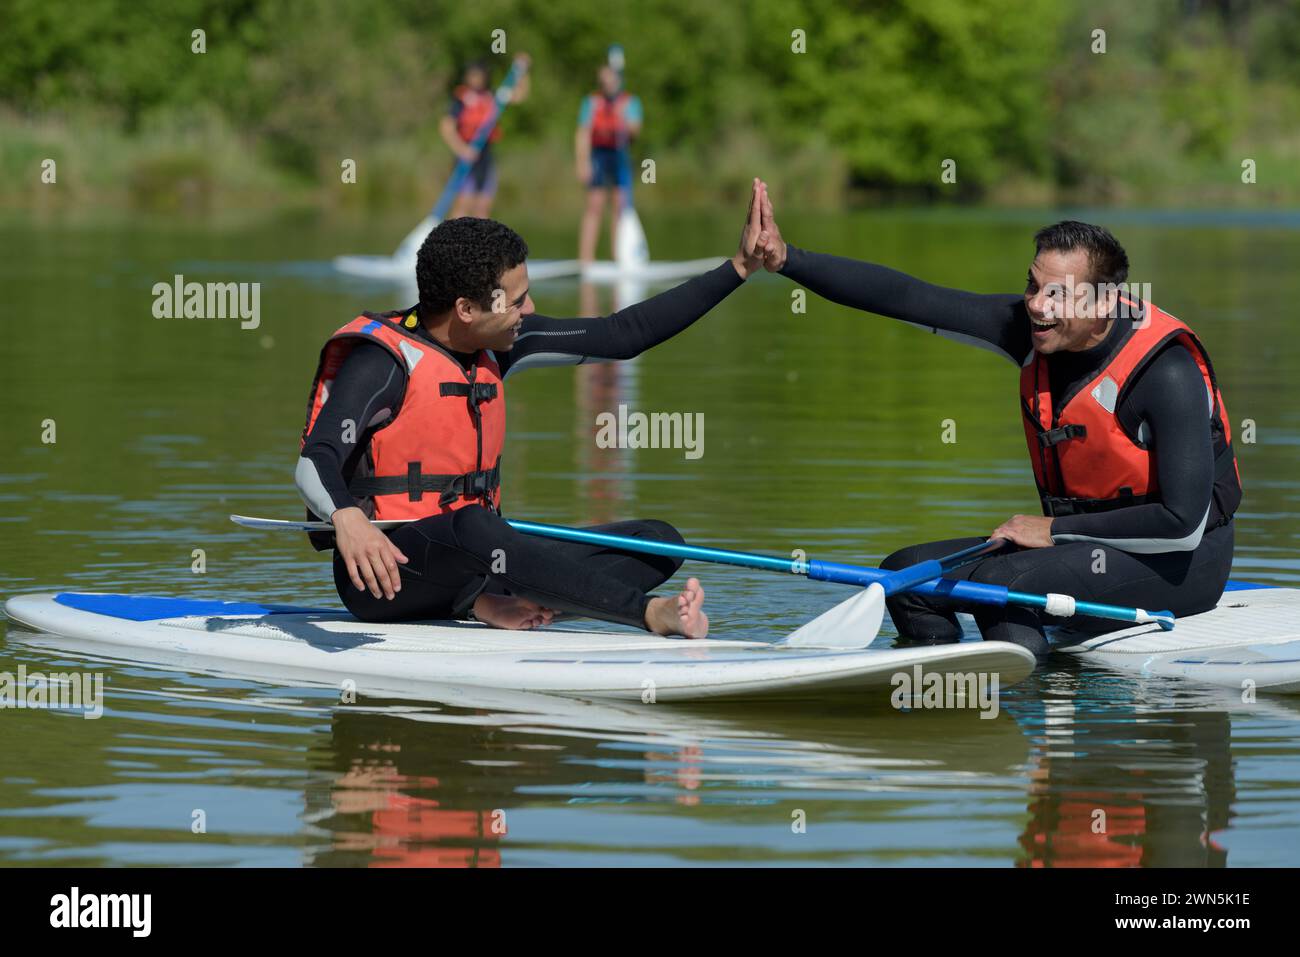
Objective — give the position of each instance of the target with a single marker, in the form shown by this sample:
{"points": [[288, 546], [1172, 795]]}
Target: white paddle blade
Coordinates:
{"points": [[632, 249], [281, 525], [409, 246], [850, 624]]}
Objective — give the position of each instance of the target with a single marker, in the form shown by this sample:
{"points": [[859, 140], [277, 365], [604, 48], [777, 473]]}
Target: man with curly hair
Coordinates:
{"points": [[406, 421]]}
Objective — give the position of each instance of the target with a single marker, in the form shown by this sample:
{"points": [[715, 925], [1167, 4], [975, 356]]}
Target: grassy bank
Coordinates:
{"points": [[198, 165]]}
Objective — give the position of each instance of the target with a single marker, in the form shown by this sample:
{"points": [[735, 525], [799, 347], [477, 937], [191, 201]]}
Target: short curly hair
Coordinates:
{"points": [[465, 259]]}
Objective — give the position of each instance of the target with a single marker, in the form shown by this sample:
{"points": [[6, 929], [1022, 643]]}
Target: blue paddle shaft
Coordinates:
{"points": [[960, 591], [650, 546], [840, 574]]}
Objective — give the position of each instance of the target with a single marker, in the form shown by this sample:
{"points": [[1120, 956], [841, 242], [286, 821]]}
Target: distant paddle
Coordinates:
{"points": [[630, 247]]}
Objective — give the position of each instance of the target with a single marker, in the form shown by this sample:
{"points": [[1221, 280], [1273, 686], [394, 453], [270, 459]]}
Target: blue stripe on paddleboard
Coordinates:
{"points": [[151, 608], [1245, 586]]}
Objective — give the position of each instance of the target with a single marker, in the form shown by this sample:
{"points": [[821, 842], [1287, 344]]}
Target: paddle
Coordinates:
{"points": [[409, 246], [631, 248], [856, 622], [1061, 606], [904, 579], [850, 624]]}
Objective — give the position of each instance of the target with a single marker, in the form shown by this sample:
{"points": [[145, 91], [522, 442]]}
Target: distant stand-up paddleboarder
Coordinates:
{"points": [[472, 104], [608, 121]]}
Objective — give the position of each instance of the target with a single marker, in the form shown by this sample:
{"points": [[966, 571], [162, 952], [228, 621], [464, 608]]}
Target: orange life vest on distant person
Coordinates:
{"points": [[476, 108], [441, 449], [609, 129], [1084, 459]]}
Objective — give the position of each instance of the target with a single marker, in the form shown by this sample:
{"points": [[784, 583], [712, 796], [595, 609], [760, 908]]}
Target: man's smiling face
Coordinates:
{"points": [[1065, 313], [497, 325]]}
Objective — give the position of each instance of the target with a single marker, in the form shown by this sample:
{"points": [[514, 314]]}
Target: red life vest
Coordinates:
{"points": [[441, 449], [1085, 460], [609, 128], [476, 108]]}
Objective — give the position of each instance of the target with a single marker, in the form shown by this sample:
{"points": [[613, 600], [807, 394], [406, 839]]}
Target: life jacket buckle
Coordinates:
{"points": [[478, 484], [1051, 437]]}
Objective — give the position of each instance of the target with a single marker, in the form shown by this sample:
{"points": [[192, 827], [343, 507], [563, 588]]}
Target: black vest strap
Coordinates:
{"points": [[476, 391], [1058, 506], [415, 483]]}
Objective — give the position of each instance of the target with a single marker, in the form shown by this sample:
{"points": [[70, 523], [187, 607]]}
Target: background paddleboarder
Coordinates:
{"points": [[472, 105], [608, 121]]}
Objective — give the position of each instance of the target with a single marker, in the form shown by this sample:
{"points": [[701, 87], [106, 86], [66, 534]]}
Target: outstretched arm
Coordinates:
{"points": [[544, 341], [996, 322]]}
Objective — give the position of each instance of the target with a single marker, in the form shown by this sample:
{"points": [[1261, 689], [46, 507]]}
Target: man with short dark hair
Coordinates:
{"points": [[1127, 433], [406, 421]]}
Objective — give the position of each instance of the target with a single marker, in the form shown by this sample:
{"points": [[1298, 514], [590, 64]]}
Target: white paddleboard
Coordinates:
{"points": [[1252, 635], [393, 269], [282, 643], [604, 271]]}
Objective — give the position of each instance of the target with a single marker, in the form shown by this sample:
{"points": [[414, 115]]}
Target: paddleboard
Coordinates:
{"points": [[1253, 634], [280, 642], [398, 269]]}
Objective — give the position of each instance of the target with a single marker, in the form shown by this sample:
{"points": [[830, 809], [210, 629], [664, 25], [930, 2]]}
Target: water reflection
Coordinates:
{"points": [[1133, 772], [1072, 773]]}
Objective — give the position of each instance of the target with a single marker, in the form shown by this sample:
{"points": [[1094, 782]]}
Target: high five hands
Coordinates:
{"points": [[760, 238], [753, 241], [774, 250]]}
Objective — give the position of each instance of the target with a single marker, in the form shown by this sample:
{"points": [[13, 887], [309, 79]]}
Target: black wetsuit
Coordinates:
{"points": [[1172, 554], [453, 557]]}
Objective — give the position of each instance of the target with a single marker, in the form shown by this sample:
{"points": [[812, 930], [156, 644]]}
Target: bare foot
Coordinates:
{"points": [[508, 611], [683, 614]]}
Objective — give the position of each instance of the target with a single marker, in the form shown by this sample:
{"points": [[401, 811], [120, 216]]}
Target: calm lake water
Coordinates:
{"points": [[823, 432]]}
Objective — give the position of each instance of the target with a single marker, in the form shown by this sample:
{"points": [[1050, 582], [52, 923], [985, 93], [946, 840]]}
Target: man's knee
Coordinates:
{"points": [[658, 531], [662, 531], [479, 531]]}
